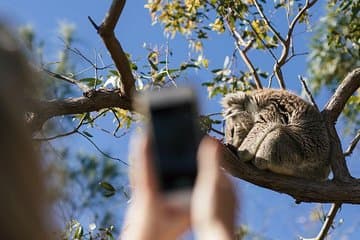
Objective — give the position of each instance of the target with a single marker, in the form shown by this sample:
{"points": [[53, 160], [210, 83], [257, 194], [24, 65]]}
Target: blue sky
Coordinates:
{"points": [[269, 213]]}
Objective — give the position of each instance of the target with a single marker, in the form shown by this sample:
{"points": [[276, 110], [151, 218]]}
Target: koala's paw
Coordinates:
{"points": [[245, 155]]}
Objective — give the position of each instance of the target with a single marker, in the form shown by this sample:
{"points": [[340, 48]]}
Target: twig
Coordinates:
{"points": [[267, 21], [352, 145], [83, 87], [109, 132], [106, 31], [239, 42], [167, 63], [308, 93], [102, 152], [296, 55], [63, 134], [263, 42], [327, 223], [92, 120], [86, 59], [286, 43], [217, 131]]}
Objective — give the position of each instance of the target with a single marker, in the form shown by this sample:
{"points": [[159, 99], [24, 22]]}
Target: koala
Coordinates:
{"points": [[277, 131]]}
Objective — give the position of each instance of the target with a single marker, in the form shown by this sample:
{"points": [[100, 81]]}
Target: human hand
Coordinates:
{"points": [[149, 215], [213, 201]]}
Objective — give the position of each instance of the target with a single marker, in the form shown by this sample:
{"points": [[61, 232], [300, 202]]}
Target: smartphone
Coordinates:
{"points": [[175, 137]]}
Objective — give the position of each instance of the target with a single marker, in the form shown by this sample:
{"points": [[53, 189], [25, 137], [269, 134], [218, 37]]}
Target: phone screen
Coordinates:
{"points": [[175, 144]]}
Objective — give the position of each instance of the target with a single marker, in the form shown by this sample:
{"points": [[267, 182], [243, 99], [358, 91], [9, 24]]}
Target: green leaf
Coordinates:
{"points": [[188, 65], [79, 232], [114, 72], [107, 186]]}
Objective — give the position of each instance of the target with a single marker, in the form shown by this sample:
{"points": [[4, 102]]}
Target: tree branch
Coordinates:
{"points": [[352, 145], [239, 42], [75, 130], [82, 86], [106, 31], [328, 223], [267, 21], [336, 104], [308, 93], [284, 42], [94, 101], [330, 114], [301, 190]]}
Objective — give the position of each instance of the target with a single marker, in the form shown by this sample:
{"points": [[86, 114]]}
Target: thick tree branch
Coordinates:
{"points": [[106, 31], [331, 113], [337, 102], [94, 101], [301, 190]]}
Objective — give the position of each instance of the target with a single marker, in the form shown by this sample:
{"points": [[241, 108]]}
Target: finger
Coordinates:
{"points": [[142, 176], [209, 158]]}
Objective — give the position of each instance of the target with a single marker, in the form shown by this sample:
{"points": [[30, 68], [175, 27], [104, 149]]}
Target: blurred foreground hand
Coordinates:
{"points": [[151, 217]]}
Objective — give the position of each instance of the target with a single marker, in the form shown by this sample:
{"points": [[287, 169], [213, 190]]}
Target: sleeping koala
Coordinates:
{"points": [[277, 131]]}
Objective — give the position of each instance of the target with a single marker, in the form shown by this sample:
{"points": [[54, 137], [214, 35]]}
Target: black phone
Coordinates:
{"points": [[175, 137]]}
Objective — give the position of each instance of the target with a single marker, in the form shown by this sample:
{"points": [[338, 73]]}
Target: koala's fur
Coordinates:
{"points": [[278, 131]]}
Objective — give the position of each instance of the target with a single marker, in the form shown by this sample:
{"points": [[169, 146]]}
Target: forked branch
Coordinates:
{"points": [[242, 48], [106, 31], [331, 113], [285, 42]]}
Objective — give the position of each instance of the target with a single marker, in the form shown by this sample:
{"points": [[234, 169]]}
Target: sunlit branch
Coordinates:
{"points": [[106, 31]]}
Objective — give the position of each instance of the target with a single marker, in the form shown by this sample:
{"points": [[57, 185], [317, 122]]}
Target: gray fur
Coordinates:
{"points": [[277, 131]]}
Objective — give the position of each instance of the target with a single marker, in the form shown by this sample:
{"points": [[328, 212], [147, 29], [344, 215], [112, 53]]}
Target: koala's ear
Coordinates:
{"points": [[238, 99]]}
